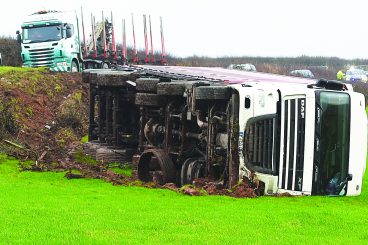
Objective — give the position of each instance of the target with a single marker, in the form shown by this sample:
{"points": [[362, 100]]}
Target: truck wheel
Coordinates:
{"points": [[74, 66], [105, 66], [147, 84], [184, 170], [109, 155], [89, 65], [90, 148], [194, 170], [144, 99], [170, 88], [155, 165], [212, 93], [177, 87]]}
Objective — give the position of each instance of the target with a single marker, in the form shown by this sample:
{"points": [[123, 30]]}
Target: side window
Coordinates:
{"points": [[25, 34]]}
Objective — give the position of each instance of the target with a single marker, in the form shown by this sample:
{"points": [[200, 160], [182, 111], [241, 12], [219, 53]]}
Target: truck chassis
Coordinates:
{"points": [[175, 127]]}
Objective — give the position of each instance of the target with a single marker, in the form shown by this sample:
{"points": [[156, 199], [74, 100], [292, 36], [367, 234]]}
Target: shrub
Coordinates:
{"points": [[10, 51], [71, 111], [8, 123]]}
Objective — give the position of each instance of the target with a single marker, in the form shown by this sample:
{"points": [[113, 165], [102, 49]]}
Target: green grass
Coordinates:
{"points": [[80, 157], [84, 139], [46, 208], [7, 69], [125, 170]]}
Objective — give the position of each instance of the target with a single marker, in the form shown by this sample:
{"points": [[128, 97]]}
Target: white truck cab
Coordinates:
{"points": [[302, 140]]}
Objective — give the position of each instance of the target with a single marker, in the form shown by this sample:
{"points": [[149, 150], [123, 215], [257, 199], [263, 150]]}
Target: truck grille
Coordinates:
{"points": [[259, 144], [42, 57], [292, 144]]}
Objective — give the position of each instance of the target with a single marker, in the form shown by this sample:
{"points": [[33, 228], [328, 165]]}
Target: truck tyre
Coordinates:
{"points": [[191, 170], [171, 88], [155, 165], [90, 148], [147, 84], [105, 66], [177, 87], [184, 170], [109, 155], [212, 93], [145, 99], [75, 67], [194, 170]]}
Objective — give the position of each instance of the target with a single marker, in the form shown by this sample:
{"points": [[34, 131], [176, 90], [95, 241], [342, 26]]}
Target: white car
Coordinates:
{"points": [[243, 67], [302, 73], [356, 75]]}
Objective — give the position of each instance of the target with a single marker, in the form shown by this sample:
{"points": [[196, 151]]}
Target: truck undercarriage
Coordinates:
{"points": [[180, 129], [179, 124]]}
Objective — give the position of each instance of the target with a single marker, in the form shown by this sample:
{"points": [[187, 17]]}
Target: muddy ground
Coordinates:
{"points": [[42, 114]]}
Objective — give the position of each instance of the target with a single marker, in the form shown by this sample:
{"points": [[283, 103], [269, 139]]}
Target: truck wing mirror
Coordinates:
{"points": [[19, 37], [68, 32], [349, 177], [329, 84]]}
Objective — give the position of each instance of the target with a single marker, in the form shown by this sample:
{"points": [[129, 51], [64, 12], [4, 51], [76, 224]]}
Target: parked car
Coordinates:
{"points": [[356, 75], [362, 67], [302, 73], [243, 67]]}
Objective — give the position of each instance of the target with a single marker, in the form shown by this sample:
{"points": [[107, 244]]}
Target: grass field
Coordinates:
{"points": [[46, 208], [6, 69]]}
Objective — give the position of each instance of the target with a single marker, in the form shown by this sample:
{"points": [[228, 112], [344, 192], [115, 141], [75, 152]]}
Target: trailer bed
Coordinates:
{"points": [[222, 74]]}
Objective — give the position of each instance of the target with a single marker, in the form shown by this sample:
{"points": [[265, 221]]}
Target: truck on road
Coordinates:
{"points": [[52, 39], [285, 134]]}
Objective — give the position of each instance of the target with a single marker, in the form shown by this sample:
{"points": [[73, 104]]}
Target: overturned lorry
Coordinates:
{"points": [[177, 124]]}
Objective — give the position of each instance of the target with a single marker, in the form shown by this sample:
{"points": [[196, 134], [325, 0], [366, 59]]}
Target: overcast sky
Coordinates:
{"points": [[226, 28]]}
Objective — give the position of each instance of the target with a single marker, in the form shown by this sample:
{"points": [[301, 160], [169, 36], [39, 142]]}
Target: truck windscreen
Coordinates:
{"points": [[331, 160], [41, 34]]}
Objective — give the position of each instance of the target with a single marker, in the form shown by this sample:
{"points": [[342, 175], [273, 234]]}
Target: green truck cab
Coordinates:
{"points": [[51, 39]]}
